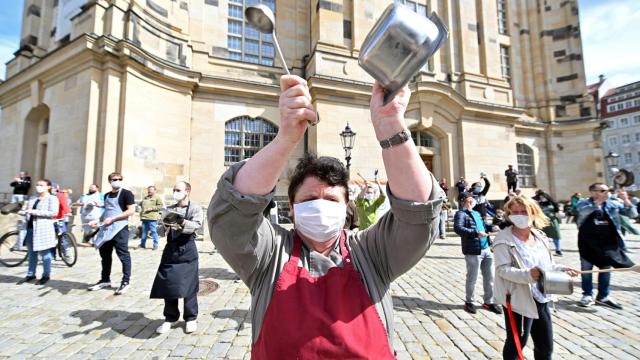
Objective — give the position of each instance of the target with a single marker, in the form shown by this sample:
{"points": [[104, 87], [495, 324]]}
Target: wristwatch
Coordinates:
{"points": [[396, 139]]}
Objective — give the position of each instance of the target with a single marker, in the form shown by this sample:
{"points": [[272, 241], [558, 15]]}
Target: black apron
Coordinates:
{"points": [[177, 275], [598, 242]]}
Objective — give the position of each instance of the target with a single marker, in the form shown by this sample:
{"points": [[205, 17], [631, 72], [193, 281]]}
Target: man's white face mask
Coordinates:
{"points": [[319, 220]]}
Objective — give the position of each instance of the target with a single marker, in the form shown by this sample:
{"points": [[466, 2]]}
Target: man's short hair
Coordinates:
{"points": [[593, 186], [328, 169], [187, 186], [151, 186], [466, 195], [114, 174]]}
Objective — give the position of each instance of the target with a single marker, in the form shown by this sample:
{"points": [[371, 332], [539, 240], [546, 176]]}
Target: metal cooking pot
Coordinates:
{"points": [[555, 282], [171, 217], [399, 45]]}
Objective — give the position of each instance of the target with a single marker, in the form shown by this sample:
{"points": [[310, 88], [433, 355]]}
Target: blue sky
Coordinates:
{"points": [[610, 38]]}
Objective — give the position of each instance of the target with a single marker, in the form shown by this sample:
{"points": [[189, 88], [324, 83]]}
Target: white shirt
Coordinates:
{"points": [[535, 256]]}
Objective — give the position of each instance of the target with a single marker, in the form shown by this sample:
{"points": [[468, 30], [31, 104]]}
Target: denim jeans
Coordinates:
{"points": [[443, 222], [18, 198], [149, 226], [483, 261], [604, 280], [33, 257]]}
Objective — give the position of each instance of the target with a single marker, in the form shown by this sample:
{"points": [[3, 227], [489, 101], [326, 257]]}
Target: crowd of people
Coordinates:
{"points": [[332, 272], [514, 259]]}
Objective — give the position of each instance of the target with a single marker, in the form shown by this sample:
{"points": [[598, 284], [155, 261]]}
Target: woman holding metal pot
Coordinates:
{"points": [[522, 256]]}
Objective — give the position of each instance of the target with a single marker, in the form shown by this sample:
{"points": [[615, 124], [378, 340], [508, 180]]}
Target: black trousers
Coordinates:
{"points": [[512, 185], [541, 331], [172, 313], [121, 243]]}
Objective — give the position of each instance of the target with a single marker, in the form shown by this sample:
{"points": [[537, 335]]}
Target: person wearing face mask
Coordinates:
{"points": [[521, 257], [600, 241], [368, 204], [119, 204], [500, 220], [41, 235], [473, 231], [318, 281], [177, 276], [149, 212], [91, 209], [352, 220], [462, 188], [480, 193]]}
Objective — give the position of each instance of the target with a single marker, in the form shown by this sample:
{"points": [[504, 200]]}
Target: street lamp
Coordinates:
{"points": [[611, 159], [348, 138]]}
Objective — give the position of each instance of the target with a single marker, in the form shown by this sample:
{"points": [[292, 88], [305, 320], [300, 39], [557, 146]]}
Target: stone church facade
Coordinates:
{"points": [[163, 90]]}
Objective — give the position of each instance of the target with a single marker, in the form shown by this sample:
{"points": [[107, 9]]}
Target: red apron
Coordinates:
{"points": [[326, 317]]}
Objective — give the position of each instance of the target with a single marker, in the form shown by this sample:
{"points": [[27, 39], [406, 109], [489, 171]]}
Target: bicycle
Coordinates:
{"points": [[66, 247], [13, 251]]}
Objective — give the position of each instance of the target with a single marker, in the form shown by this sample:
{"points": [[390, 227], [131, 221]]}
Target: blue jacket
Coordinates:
{"points": [[465, 226], [613, 207]]}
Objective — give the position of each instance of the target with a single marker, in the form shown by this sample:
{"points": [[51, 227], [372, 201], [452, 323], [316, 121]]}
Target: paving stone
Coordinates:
{"points": [[430, 322]]}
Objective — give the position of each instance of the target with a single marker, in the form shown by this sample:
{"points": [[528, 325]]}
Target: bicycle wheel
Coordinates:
{"points": [[67, 249], [10, 256]]}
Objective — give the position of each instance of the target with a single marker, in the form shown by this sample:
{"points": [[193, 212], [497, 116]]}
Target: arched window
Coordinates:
{"points": [[423, 139], [244, 137], [245, 43], [526, 166]]}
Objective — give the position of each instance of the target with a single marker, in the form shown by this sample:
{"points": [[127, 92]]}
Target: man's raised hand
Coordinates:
{"points": [[296, 109]]}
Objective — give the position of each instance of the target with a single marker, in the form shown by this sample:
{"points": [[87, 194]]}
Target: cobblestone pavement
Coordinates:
{"points": [[63, 320]]}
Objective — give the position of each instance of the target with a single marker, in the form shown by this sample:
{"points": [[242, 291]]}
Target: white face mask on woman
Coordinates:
{"points": [[520, 221], [41, 189], [319, 220]]}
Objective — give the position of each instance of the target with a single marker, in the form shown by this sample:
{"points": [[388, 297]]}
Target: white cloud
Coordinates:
{"points": [[610, 37], [7, 48]]}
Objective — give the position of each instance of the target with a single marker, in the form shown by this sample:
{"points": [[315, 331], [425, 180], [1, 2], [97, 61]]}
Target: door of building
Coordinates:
{"points": [[428, 161]]}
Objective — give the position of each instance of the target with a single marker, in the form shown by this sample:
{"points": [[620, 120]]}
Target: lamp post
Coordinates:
{"points": [[348, 138], [611, 160]]}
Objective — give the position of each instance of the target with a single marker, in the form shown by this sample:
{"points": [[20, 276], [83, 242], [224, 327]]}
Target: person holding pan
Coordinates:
{"points": [[521, 256]]}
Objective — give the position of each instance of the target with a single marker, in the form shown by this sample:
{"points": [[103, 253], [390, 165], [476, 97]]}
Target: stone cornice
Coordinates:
{"points": [[91, 50]]}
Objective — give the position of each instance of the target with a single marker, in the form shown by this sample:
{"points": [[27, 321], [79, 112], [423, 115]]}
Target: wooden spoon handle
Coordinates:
{"points": [[607, 270]]}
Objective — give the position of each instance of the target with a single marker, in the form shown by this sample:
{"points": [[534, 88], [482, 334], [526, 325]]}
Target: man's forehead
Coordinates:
{"points": [[314, 186]]}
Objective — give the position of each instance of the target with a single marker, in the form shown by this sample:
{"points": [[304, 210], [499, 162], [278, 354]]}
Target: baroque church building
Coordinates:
{"points": [[164, 90]]}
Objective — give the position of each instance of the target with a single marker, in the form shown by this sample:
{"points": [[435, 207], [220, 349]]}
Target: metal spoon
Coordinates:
{"points": [[261, 17]]}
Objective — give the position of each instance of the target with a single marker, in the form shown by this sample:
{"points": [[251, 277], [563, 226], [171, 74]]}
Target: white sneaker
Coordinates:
{"points": [[124, 287], [192, 326], [587, 300], [99, 285], [166, 326]]}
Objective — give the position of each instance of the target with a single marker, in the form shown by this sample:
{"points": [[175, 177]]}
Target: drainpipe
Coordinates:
{"points": [[305, 61]]}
